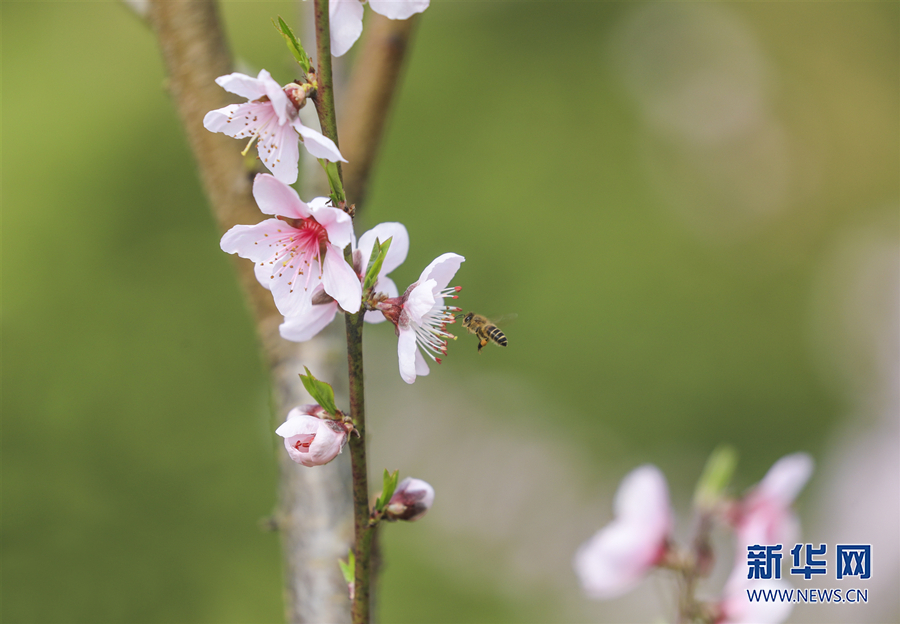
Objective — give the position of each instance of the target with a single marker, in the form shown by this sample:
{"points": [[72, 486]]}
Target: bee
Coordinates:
{"points": [[485, 330]]}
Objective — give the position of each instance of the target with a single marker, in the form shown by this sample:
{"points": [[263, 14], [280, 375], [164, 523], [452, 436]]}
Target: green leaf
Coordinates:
{"points": [[379, 251], [348, 568], [334, 181], [715, 478], [321, 392], [390, 484], [293, 44]]}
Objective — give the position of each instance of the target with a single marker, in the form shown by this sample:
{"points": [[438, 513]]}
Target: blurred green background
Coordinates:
{"points": [[692, 208]]}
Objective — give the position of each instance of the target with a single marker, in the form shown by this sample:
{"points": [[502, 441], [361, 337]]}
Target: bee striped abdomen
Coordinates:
{"points": [[496, 335]]}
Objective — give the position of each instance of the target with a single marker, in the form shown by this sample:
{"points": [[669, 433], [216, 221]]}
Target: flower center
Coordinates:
{"points": [[303, 246], [303, 442]]}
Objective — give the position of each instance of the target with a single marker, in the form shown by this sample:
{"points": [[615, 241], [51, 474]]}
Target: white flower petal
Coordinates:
{"points": [[399, 245], [280, 102], [340, 280], [406, 354], [241, 121], [298, 424], [398, 9], [336, 222], [317, 143], [309, 322], [345, 17], [274, 197], [256, 242], [242, 85], [420, 301], [279, 151], [421, 365], [442, 269], [786, 478]]}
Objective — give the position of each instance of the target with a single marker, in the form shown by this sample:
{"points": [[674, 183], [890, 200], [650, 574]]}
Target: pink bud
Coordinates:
{"points": [[310, 438], [620, 554], [411, 499]]}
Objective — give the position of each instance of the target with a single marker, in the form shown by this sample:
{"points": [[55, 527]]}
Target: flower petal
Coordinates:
{"points": [[399, 245], [317, 143], [442, 269], [421, 365], [786, 478], [420, 301], [279, 151], [336, 222], [406, 353], [278, 98], [256, 242], [274, 197], [643, 496], [345, 17], [398, 9], [340, 280], [309, 322], [242, 85], [297, 423], [241, 121]]}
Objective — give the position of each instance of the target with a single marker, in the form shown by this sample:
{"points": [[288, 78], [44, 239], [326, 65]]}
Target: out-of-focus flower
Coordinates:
{"points": [[736, 607], [345, 18], [310, 437], [299, 249], [620, 554], [764, 516], [411, 500], [420, 316], [270, 118], [320, 309]]}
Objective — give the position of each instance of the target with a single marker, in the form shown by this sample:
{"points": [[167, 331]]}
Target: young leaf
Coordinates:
{"points": [[321, 392], [334, 181], [293, 44], [379, 251], [716, 475], [348, 568], [390, 484]]}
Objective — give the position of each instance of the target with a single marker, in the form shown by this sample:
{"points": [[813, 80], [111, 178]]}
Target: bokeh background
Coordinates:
{"points": [[692, 208]]}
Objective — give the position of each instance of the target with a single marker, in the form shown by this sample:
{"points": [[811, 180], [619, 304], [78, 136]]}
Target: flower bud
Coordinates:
{"points": [[310, 437], [411, 499]]}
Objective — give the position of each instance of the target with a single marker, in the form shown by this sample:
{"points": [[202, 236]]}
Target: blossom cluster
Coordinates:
{"points": [[309, 258], [640, 538]]}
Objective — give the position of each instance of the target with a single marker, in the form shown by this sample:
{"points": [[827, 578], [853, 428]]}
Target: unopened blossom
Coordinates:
{"points": [[321, 309], [411, 500], [310, 437], [346, 17], [620, 554], [298, 250], [421, 318], [764, 515], [270, 117]]}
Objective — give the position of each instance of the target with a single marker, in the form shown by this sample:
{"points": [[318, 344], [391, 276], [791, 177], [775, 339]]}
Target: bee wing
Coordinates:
{"points": [[504, 320]]}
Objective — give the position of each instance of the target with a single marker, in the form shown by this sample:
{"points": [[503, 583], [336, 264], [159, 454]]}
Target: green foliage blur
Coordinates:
{"points": [[661, 313]]}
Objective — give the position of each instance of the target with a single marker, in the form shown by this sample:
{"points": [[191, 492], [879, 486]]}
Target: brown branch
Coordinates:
{"points": [[367, 102]]}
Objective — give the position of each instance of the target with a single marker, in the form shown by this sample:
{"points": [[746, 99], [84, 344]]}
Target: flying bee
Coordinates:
{"points": [[486, 331]]}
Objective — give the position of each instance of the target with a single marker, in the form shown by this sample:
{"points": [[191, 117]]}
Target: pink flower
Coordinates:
{"points": [[320, 309], [411, 500], [270, 116], [310, 437], [298, 250], [345, 17], [764, 516], [620, 554], [736, 608], [420, 316]]}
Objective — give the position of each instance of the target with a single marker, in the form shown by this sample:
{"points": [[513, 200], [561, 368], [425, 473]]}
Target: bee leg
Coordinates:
{"points": [[481, 344]]}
